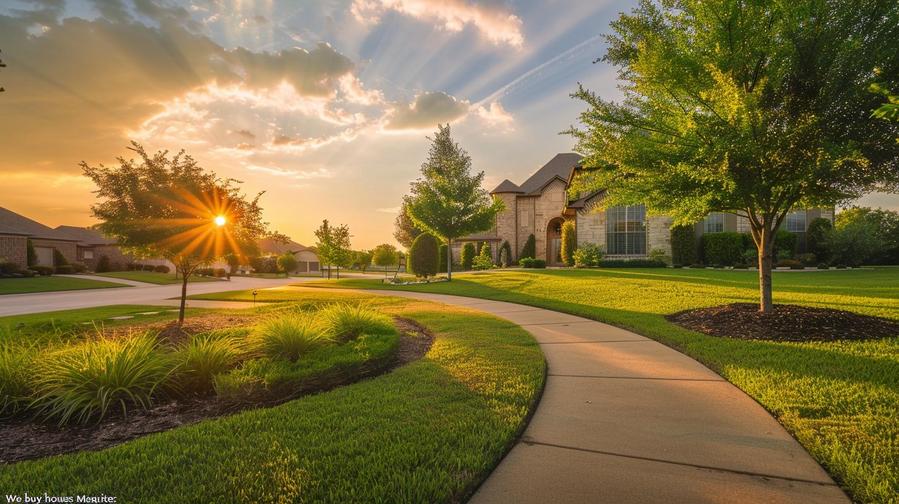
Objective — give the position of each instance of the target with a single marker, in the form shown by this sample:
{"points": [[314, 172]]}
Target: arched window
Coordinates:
{"points": [[626, 230]]}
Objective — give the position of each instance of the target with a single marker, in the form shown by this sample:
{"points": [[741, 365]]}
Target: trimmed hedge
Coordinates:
{"points": [[423, 255], [631, 263], [569, 243], [530, 262], [468, 252], [722, 248], [683, 245], [441, 258], [530, 248]]}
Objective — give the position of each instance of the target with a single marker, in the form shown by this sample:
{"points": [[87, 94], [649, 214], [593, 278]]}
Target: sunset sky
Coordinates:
{"points": [[326, 105]]}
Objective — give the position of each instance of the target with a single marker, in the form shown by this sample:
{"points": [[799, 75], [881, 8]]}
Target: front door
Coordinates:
{"points": [[554, 242]]}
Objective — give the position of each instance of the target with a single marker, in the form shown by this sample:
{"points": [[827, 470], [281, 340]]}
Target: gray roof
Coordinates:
{"points": [[506, 186], [84, 235], [13, 223], [559, 166], [271, 246]]}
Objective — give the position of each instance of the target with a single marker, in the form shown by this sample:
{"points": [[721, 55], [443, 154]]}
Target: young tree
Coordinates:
{"points": [[362, 259], [384, 255], [405, 230], [484, 260], [751, 108], [333, 246], [569, 243], [448, 200], [170, 207], [467, 259], [423, 256], [287, 262], [233, 261], [530, 248]]}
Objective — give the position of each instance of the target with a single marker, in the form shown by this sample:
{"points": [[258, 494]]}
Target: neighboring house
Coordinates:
{"points": [[541, 204], [307, 259], [92, 245]]}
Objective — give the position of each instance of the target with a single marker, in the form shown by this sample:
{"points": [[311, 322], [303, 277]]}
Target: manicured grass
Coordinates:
{"points": [[50, 284], [154, 277], [429, 431], [840, 399]]}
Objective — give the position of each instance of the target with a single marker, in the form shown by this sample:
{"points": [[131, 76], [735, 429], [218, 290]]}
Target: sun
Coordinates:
{"points": [[220, 220]]}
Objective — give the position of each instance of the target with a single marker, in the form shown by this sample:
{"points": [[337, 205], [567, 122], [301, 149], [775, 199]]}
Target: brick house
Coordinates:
{"points": [[307, 259], [540, 205], [92, 245]]}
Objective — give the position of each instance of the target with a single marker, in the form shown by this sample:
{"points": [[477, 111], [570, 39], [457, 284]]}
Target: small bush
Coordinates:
{"points": [[149, 267], [823, 266], [79, 267], [631, 263], [103, 264], [789, 263], [220, 272], [205, 356], [468, 253], [660, 256], [59, 259], [569, 243], [8, 268], [484, 260], [15, 374], [65, 269], [423, 255], [808, 259], [530, 248], [43, 270], [289, 336], [287, 262], [345, 322], [161, 268], [530, 262], [722, 248], [94, 377], [587, 255]]}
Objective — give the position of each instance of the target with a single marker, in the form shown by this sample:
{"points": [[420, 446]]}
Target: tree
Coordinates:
{"points": [[751, 108], [530, 248], [467, 258], [569, 243], [168, 206], [287, 262], [448, 200], [362, 259], [405, 229], [423, 256], [484, 260], [854, 241], [30, 253], [233, 261], [384, 255], [333, 246], [881, 245], [816, 237]]}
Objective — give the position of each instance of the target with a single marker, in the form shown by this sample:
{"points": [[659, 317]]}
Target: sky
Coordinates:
{"points": [[324, 104]]}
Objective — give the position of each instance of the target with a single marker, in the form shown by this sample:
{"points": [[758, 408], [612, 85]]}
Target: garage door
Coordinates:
{"points": [[44, 256]]}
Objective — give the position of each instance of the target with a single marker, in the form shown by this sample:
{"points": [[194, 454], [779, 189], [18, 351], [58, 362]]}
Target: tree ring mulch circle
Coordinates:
{"points": [[785, 323]]}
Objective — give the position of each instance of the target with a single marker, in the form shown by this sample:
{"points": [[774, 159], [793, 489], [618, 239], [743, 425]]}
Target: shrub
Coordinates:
{"points": [[789, 263], [467, 258], [162, 268], [660, 256], [345, 322], [103, 264], [423, 255], [751, 256], [265, 264], [149, 267], [65, 269], [530, 262], [288, 336], [90, 379], [203, 271], [441, 258], [59, 259], [8, 268], [530, 247], [569, 243], [817, 236], [484, 260], [630, 263], [683, 245], [587, 255], [808, 259], [15, 373], [79, 267], [287, 262], [722, 248], [505, 255], [43, 270], [784, 244], [823, 266], [30, 254], [205, 356], [220, 272]]}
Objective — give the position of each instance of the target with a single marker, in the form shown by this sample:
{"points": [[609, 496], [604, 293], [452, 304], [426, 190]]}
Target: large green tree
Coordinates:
{"points": [[333, 246], [752, 108], [448, 200], [168, 206]]}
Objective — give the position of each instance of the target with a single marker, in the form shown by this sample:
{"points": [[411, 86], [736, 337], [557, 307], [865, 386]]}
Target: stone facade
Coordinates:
{"points": [[13, 248]]}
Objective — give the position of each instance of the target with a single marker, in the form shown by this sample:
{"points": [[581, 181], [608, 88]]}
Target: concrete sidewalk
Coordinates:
{"points": [[624, 419]]}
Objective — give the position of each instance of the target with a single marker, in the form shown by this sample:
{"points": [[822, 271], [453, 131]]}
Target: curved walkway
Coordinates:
{"points": [[625, 419]]}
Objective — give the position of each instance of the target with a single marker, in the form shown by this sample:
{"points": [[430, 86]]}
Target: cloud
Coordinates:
{"points": [[426, 111], [318, 173], [390, 210], [245, 134], [496, 24], [496, 117]]}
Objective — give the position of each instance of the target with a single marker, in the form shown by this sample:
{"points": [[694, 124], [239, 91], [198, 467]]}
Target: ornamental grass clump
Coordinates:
{"points": [[91, 379], [289, 336], [205, 356], [346, 322], [15, 373]]}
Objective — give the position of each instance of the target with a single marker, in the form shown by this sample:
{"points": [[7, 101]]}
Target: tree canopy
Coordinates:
{"points": [[405, 230], [384, 255], [168, 206], [448, 200], [752, 108], [333, 245]]}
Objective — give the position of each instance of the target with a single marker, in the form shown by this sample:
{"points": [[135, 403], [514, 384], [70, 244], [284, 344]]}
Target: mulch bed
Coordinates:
{"points": [[784, 323], [23, 439]]}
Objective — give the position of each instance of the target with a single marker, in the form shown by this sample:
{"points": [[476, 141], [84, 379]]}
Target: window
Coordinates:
{"points": [[743, 225], [626, 230], [88, 254], [524, 219], [796, 221], [713, 223]]}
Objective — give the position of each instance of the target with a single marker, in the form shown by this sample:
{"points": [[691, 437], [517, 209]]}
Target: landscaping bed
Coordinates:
{"points": [[786, 322]]}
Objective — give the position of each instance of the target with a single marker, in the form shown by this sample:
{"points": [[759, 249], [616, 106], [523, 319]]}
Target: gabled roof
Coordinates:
{"points": [[506, 186], [13, 223], [85, 236], [270, 246], [584, 201], [559, 167]]}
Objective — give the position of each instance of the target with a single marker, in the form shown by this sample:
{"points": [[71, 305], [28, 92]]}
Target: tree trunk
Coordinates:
{"points": [[329, 272], [184, 276], [766, 261], [449, 260]]}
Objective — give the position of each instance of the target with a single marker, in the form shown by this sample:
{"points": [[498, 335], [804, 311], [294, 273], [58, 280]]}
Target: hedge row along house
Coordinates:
{"points": [[541, 204], [76, 244]]}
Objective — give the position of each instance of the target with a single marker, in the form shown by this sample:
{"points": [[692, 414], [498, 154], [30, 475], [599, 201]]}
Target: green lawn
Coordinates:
{"points": [[51, 283], [840, 399], [154, 277], [427, 432]]}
